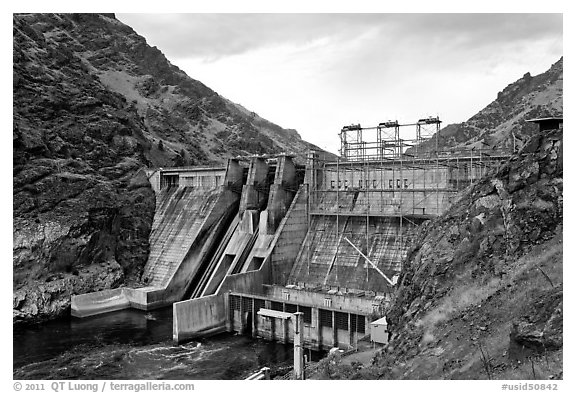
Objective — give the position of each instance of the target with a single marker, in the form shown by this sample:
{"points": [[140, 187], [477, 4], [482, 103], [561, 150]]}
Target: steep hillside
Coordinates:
{"points": [[481, 294], [503, 122], [93, 104]]}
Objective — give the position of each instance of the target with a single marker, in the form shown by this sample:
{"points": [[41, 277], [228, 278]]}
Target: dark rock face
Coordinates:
{"points": [[93, 105], [540, 327]]}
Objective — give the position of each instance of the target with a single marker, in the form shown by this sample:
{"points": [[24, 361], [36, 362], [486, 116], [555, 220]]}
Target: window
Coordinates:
{"points": [[247, 304], [257, 262], [332, 184], [390, 183], [307, 313], [360, 327], [234, 302], [397, 183], [170, 180], [325, 318], [258, 304], [357, 323], [341, 320], [405, 183]]}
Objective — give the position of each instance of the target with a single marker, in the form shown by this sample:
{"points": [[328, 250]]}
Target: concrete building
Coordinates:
{"points": [[379, 332], [549, 123]]}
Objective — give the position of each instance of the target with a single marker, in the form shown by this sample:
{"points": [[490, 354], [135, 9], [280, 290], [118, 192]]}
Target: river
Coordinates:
{"points": [[132, 344]]}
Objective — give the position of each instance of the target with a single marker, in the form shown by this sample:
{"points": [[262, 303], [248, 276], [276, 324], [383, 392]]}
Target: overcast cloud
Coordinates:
{"points": [[318, 72]]}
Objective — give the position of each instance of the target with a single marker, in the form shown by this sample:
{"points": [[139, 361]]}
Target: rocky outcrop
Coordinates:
{"points": [[503, 123], [482, 284], [539, 328], [93, 105]]}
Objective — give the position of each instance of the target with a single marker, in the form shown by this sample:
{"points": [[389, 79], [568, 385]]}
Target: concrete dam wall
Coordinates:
{"points": [[194, 209], [327, 259], [180, 214], [241, 248], [209, 224], [271, 198]]}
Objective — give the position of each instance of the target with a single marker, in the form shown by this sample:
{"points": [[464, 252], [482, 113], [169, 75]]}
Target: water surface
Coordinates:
{"points": [[133, 344]]}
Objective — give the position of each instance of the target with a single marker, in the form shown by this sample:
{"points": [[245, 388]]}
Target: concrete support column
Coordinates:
{"points": [[242, 322], [316, 312], [229, 323], [257, 174], [309, 176], [280, 196], [285, 326], [334, 330], [254, 333], [298, 350], [351, 335], [233, 173]]}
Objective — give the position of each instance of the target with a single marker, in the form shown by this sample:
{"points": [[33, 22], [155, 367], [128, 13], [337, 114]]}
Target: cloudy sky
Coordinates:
{"points": [[319, 72]]}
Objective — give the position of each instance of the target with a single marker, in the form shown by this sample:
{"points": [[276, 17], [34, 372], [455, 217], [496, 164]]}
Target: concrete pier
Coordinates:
{"points": [[328, 319], [276, 248]]}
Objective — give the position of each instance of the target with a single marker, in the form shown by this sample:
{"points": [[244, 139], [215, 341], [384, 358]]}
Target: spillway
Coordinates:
{"points": [[194, 210], [179, 218]]}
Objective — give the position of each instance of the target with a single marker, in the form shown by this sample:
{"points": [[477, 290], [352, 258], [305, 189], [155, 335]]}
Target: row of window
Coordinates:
{"points": [[340, 318], [357, 322], [193, 181], [367, 184], [201, 181]]}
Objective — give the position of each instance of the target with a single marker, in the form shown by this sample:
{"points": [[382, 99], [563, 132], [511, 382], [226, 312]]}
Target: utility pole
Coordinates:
{"points": [[298, 350]]}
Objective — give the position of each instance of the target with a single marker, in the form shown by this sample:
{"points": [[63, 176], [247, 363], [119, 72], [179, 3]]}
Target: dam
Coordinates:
{"points": [[242, 247]]}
